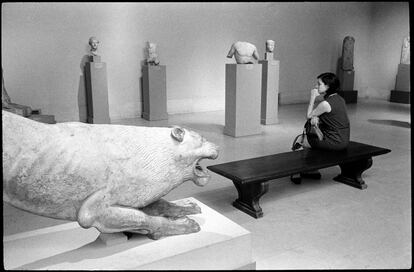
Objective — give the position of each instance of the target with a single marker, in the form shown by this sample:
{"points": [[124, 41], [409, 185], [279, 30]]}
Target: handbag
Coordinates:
{"points": [[313, 131]]}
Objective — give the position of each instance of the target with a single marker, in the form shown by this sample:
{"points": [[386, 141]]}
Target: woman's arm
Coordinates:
{"points": [[321, 108]]}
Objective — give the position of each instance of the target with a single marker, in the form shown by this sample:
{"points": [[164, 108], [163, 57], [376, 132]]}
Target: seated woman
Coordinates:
{"points": [[331, 116]]}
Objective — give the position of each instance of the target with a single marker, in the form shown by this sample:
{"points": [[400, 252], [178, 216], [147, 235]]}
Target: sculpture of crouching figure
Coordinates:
{"points": [[111, 177]]}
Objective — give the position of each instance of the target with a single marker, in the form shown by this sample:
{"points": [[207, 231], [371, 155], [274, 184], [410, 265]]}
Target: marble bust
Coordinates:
{"points": [[93, 43], [152, 55], [348, 53], [270, 47], [244, 52], [405, 51]]}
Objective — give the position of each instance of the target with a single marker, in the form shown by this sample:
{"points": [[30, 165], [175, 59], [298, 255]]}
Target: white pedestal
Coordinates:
{"points": [[243, 98], [97, 93], [220, 244], [270, 92], [154, 95]]}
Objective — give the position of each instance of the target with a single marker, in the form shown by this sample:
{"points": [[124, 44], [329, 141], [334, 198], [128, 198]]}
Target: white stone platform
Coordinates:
{"points": [[220, 244]]}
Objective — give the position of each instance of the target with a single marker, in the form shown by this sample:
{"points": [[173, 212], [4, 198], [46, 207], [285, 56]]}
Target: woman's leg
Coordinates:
{"points": [[305, 142], [297, 178]]}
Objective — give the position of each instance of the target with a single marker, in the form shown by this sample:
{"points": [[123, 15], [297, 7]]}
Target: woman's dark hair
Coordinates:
{"points": [[332, 81]]}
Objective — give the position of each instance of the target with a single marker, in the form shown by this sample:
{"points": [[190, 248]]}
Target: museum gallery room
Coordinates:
{"points": [[206, 136]]}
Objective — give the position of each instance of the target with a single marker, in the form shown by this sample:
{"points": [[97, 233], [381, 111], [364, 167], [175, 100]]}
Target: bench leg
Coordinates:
{"points": [[351, 173], [249, 195]]}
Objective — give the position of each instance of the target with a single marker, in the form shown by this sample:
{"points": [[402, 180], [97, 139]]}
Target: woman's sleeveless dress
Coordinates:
{"points": [[334, 125]]}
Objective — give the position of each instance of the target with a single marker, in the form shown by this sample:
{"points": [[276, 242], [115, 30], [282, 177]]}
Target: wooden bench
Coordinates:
{"points": [[251, 176]]}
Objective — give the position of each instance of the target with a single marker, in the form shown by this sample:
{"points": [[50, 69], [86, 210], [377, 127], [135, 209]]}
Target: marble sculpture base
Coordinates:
{"points": [[270, 92], [243, 98], [154, 92], [97, 93], [220, 244]]}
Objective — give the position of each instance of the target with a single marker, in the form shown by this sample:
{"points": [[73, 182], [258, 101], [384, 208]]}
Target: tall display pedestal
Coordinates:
{"points": [[270, 92], [154, 94], [402, 92], [220, 244], [347, 86], [243, 98], [97, 92]]}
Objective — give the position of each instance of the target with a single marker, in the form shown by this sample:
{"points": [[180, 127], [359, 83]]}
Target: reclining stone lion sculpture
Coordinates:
{"points": [[110, 177]]}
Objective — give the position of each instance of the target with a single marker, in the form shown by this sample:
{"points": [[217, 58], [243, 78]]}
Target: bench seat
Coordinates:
{"points": [[251, 176]]}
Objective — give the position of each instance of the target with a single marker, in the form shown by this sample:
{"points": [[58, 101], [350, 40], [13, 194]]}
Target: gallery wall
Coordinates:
{"points": [[44, 44], [390, 23]]}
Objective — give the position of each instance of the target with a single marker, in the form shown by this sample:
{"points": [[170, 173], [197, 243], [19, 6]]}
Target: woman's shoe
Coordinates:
{"points": [[311, 174], [296, 178]]}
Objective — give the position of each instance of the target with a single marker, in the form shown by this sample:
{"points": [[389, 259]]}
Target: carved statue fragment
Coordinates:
{"points": [[405, 51], [93, 43], [348, 53], [152, 58], [270, 46], [111, 177], [244, 52]]}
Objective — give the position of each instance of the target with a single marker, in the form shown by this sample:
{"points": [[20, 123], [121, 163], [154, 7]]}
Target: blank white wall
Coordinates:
{"points": [[43, 45]]}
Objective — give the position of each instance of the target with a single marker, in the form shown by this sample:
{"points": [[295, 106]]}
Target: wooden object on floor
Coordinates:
{"points": [[402, 92], [400, 97], [251, 177]]}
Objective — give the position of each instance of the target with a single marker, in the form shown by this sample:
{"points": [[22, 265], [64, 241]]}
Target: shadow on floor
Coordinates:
{"points": [[391, 123]]}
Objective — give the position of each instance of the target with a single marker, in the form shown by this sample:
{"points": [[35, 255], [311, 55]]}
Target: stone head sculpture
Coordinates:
{"points": [[152, 58], [93, 43], [348, 53], [244, 52], [270, 46], [405, 51]]}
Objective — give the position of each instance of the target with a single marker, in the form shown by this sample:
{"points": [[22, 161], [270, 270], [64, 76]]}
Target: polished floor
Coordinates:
{"points": [[320, 224]]}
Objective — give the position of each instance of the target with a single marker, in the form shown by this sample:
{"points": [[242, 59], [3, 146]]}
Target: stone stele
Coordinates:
{"points": [[110, 177], [348, 54], [244, 53], [405, 51]]}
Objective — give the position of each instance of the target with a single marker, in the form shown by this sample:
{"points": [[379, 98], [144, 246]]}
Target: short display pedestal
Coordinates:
{"points": [[270, 92], [154, 95], [402, 92], [243, 99], [347, 86], [97, 93], [221, 244]]}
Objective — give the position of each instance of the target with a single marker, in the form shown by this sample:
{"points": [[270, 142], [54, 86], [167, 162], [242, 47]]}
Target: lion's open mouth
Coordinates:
{"points": [[201, 175], [199, 171]]}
